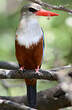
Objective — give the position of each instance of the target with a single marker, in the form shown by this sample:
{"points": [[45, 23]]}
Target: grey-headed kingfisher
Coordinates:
{"points": [[29, 45]]}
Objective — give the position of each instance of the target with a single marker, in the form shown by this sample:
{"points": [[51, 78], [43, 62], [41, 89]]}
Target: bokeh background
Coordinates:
{"points": [[58, 41]]}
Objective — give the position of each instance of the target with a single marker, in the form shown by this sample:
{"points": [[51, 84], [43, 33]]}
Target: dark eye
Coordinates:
{"points": [[32, 10]]}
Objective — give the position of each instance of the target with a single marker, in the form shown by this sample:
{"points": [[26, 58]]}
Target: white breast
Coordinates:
{"points": [[29, 32]]}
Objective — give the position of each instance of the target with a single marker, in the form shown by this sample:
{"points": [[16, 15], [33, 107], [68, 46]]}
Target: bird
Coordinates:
{"points": [[29, 45]]}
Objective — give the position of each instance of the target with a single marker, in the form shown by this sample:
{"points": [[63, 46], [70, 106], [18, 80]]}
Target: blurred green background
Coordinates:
{"points": [[58, 41]]}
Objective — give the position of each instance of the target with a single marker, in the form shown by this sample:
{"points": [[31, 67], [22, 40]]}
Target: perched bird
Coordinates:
{"points": [[29, 44]]}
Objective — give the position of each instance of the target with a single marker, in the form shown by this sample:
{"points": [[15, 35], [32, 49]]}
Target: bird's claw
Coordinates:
{"points": [[37, 71], [21, 68]]}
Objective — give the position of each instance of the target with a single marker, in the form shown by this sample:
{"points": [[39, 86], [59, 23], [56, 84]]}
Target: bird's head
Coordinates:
{"points": [[35, 9]]}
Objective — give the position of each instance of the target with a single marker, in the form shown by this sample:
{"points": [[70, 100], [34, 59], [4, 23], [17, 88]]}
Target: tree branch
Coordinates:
{"points": [[50, 99], [8, 65], [57, 97], [11, 104], [52, 74], [46, 5], [17, 74]]}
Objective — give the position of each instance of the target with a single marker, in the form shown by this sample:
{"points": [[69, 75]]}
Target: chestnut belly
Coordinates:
{"points": [[30, 57]]}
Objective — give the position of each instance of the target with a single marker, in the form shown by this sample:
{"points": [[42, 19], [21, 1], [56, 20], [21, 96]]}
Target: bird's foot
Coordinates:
{"points": [[21, 68], [37, 69]]}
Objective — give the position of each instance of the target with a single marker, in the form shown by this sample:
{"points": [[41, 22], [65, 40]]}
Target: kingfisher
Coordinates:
{"points": [[29, 45]]}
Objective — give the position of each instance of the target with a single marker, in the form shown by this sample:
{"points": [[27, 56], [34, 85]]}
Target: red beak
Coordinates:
{"points": [[43, 12]]}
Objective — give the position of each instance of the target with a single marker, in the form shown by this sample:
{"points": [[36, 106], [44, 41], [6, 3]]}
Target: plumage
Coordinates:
{"points": [[29, 31], [30, 57]]}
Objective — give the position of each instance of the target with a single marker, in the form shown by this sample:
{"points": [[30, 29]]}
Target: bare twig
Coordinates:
{"points": [[46, 5]]}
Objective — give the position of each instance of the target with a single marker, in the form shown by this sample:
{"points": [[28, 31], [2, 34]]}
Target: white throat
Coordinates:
{"points": [[29, 31]]}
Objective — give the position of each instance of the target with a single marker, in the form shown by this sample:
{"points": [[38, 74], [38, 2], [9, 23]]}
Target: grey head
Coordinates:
{"points": [[30, 9]]}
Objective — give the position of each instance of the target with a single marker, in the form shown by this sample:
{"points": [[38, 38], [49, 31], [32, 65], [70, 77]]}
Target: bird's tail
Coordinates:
{"points": [[31, 92]]}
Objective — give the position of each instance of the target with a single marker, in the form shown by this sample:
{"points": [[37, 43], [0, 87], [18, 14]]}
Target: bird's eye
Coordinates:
{"points": [[32, 10]]}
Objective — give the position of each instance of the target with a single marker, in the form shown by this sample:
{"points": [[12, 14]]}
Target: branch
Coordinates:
{"points": [[17, 74], [42, 74], [50, 99], [8, 65], [11, 104], [46, 5]]}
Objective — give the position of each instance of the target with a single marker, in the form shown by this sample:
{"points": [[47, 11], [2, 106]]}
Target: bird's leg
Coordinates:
{"points": [[22, 68], [37, 69]]}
